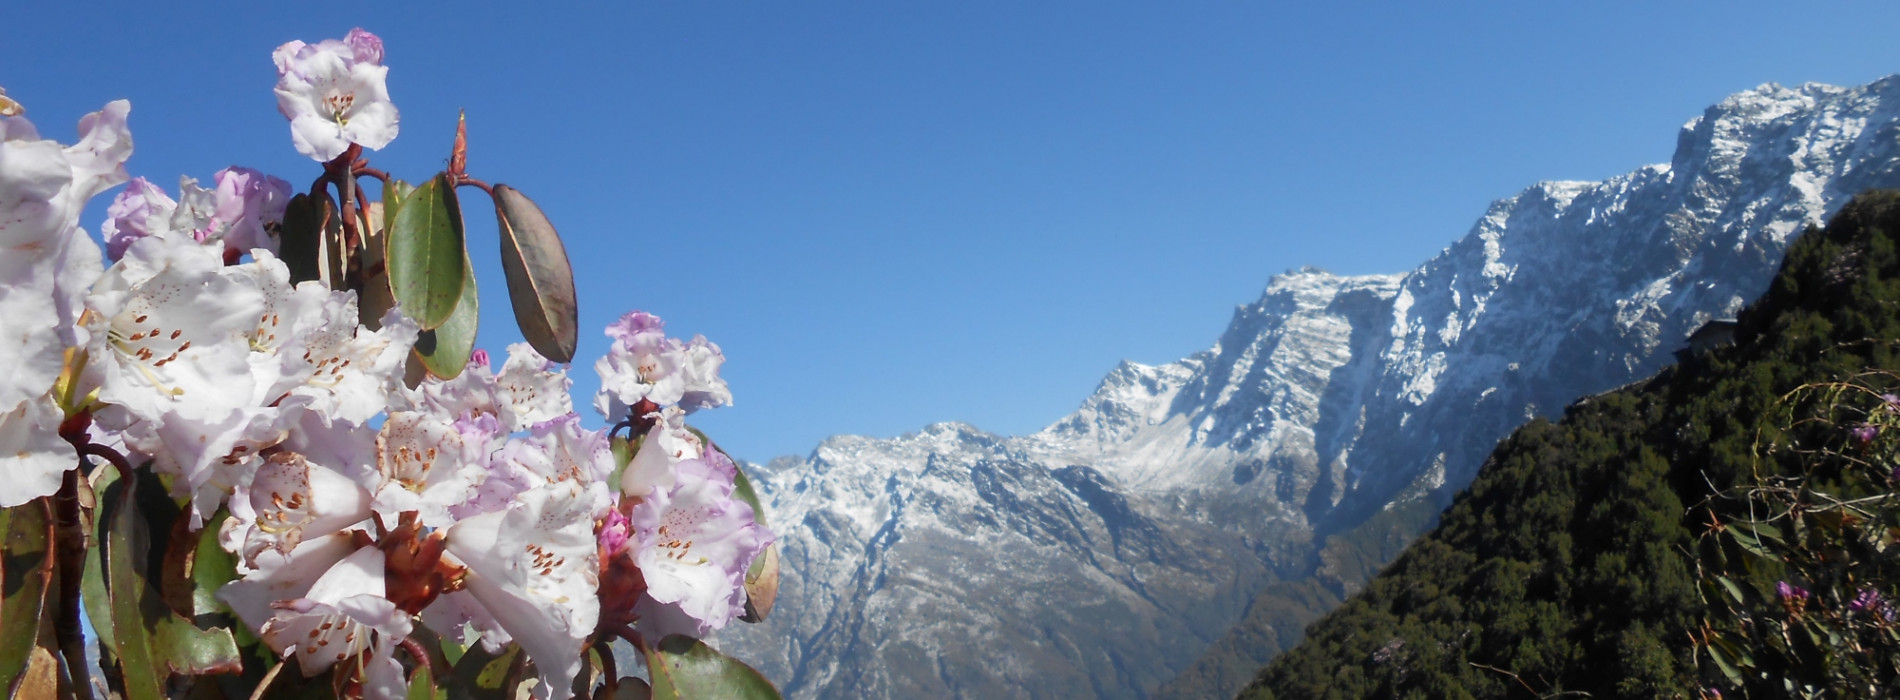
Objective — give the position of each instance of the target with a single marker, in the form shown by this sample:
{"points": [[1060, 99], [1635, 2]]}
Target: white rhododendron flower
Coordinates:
{"points": [[241, 212], [530, 389], [249, 205], [142, 209], [534, 568], [334, 94], [46, 263], [644, 364], [344, 618], [427, 465], [290, 495], [693, 543], [359, 500]]}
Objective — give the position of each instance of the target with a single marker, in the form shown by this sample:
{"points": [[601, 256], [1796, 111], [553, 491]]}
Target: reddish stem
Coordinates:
{"points": [[110, 455], [70, 540], [361, 169], [463, 180], [414, 648], [606, 650], [627, 633]]}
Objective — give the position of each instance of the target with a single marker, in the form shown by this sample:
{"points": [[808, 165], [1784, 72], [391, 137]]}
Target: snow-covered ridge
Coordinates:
{"points": [[951, 562]]}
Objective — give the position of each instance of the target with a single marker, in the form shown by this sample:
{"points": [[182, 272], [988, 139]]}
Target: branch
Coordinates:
{"points": [[463, 180], [70, 547], [111, 455], [414, 648], [269, 676], [604, 648], [1527, 686]]}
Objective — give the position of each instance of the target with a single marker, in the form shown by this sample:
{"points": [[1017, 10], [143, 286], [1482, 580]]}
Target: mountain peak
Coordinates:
{"points": [[1162, 502]]}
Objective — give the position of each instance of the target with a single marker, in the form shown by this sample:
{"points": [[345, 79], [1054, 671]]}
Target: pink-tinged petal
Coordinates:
{"points": [[366, 47], [530, 389], [285, 57], [666, 444], [459, 616], [197, 211], [645, 364], [333, 97], [694, 543], [346, 448], [79, 264], [105, 142], [32, 455], [293, 497], [248, 202], [46, 259], [206, 455], [361, 573], [343, 618], [426, 467], [534, 568], [284, 577], [142, 209], [342, 368]]}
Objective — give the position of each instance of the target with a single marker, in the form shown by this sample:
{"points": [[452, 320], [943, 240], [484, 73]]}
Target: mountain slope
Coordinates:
{"points": [[1320, 433], [1568, 567]]}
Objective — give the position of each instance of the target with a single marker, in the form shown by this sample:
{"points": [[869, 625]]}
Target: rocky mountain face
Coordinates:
{"points": [[1103, 555]]}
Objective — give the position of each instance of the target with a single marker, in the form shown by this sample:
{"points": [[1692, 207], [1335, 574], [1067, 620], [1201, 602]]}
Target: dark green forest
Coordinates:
{"points": [[1725, 528]]}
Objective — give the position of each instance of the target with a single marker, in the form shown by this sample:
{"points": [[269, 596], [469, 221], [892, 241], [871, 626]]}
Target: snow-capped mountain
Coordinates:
{"points": [[1101, 555]]}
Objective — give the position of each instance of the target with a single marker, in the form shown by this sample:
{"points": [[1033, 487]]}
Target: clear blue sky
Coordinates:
{"points": [[896, 213]]}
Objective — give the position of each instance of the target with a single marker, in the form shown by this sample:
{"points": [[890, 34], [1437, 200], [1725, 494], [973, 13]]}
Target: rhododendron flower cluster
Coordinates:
{"points": [[362, 493]]}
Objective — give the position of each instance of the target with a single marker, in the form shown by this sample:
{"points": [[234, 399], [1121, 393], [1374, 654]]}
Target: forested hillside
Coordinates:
{"points": [[1723, 526]]}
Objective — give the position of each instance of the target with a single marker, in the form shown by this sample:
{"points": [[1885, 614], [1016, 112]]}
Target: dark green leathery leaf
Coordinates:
{"points": [[540, 280], [27, 558], [445, 350], [685, 668], [300, 238], [427, 260], [151, 642]]}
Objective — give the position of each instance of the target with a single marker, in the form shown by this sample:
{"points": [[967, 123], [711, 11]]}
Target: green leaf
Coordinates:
{"points": [[186, 649], [427, 259], [486, 676], [394, 191], [28, 562], [623, 456], [422, 686], [1734, 591], [685, 668], [300, 238], [375, 298], [1766, 532], [1723, 661], [540, 280], [1747, 542], [92, 584], [211, 569], [152, 642], [761, 585], [445, 350], [124, 544]]}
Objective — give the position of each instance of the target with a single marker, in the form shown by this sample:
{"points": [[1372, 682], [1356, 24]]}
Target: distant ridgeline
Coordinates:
{"points": [[1728, 525]]}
